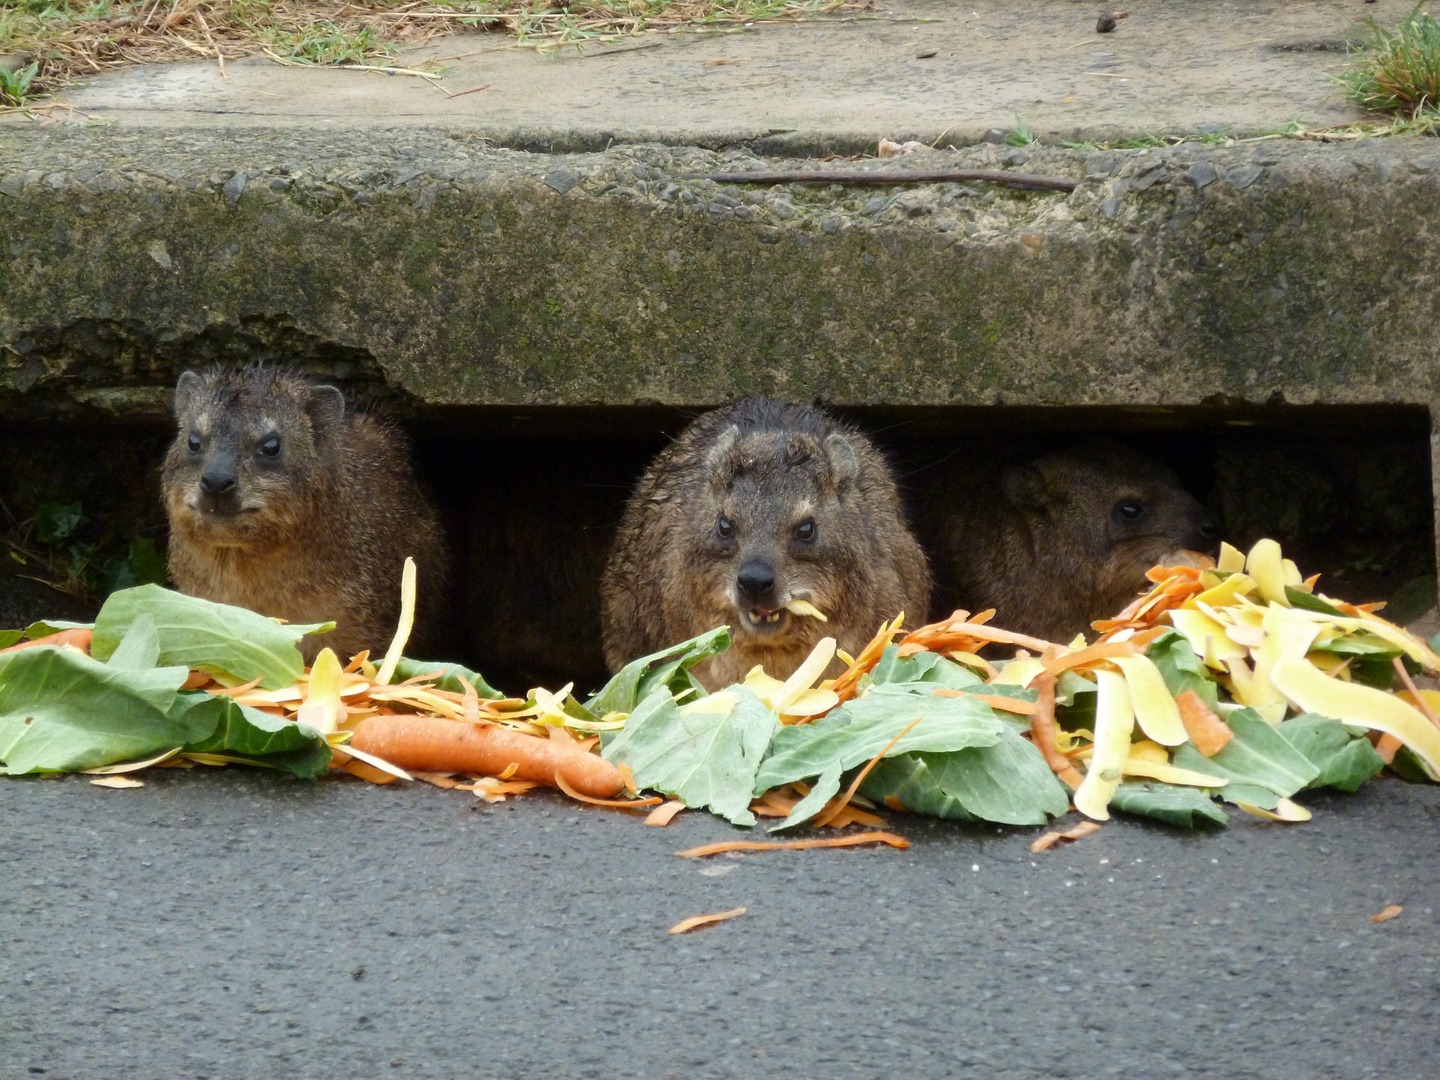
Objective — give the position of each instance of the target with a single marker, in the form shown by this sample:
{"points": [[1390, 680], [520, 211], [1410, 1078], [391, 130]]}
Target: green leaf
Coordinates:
{"points": [[1307, 602], [1359, 643], [245, 732], [669, 667], [53, 626], [1257, 756], [1240, 792], [204, 635], [1183, 806], [144, 565], [1181, 668], [10, 637], [55, 522], [909, 780], [1008, 782], [449, 678], [139, 650], [705, 758], [858, 730], [61, 710], [825, 788], [1345, 760]]}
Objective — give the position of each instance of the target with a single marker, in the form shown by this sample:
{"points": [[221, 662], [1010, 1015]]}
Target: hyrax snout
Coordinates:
{"points": [[1063, 540], [283, 501], [751, 508]]}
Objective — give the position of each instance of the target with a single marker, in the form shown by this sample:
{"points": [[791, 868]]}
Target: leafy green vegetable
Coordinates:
{"points": [[61, 710], [211, 637], [1008, 782], [701, 755], [140, 647], [670, 667], [825, 788], [10, 637], [260, 738], [449, 679], [909, 780], [1308, 602], [1181, 669], [51, 626], [1183, 806], [1258, 756], [858, 730], [1345, 760]]}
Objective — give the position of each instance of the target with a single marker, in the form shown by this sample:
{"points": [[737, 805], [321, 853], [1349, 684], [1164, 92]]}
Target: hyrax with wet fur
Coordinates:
{"points": [[282, 501], [751, 507], [1064, 540]]}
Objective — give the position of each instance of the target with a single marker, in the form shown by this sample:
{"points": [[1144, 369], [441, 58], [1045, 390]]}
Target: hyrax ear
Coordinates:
{"points": [[844, 460], [187, 395], [325, 406], [1025, 487]]}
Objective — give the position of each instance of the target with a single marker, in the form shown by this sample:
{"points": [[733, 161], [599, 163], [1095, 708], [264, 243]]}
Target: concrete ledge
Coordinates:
{"points": [[465, 275]]}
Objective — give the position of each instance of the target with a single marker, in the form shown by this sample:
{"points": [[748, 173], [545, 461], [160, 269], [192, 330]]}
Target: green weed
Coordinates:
{"points": [[56, 547], [1398, 70]]}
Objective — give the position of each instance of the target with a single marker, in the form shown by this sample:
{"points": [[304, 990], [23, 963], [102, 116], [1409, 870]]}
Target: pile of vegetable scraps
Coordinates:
{"points": [[1233, 684]]}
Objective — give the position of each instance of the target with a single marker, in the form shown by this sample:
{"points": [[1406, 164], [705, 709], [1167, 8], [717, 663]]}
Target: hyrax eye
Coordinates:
{"points": [[270, 446], [724, 526], [194, 442], [1130, 510], [805, 531]]}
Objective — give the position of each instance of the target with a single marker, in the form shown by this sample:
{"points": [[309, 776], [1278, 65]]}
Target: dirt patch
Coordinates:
{"points": [[1171, 66]]}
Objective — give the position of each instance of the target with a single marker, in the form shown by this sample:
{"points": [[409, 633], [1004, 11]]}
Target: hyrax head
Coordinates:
{"points": [[249, 450], [775, 520], [1103, 501]]}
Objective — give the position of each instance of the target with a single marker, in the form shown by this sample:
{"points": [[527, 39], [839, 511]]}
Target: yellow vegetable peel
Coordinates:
{"points": [[1155, 710], [1114, 723]]}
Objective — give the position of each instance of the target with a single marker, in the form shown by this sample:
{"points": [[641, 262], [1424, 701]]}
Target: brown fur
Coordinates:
{"points": [[320, 530], [768, 468], [1046, 544]]}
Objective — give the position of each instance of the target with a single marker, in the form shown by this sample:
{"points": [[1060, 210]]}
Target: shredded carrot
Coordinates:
{"points": [[1416, 698], [665, 813], [684, 926], [440, 780], [628, 777], [795, 845], [825, 818], [894, 803], [365, 771], [1390, 912], [1085, 828], [357, 661], [995, 701], [509, 771], [848, 681], [235, 691], [853, 815], [472, 701], [1103, 651], [1206, 730], [622, 804], [196, 679]]}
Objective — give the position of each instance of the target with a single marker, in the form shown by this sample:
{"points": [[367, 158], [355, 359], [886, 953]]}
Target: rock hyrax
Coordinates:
{"points": [[751, 507], [282, 501], [1062, 541]]}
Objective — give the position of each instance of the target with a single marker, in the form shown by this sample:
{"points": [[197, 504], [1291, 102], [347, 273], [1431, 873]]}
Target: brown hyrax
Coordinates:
{"points": [[282, 501], [751, 507], [1062, 541]]}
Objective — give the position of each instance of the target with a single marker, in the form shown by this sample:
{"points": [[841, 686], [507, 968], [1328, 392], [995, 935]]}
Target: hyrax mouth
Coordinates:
{"points": [[765, 620]]}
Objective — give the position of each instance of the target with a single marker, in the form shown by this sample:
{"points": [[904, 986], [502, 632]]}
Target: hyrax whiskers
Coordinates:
{"points": [[282, 501], [1059, 542], [752, 507]]}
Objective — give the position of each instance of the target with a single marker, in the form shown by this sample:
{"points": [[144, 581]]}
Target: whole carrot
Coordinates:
{"points": [[427, 744]]}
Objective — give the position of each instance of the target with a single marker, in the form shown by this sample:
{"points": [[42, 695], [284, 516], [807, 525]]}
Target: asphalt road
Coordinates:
{"points": [[237, 924]]}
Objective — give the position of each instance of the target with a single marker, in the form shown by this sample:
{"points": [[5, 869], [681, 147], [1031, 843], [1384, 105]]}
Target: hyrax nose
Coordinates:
{"points": [[756, 580], [217, 480]]}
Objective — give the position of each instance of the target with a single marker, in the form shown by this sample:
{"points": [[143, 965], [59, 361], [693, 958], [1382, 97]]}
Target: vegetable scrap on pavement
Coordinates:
{"points": [[1234, 684]]}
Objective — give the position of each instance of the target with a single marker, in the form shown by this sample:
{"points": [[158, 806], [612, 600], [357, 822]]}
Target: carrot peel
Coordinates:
{"points": [[794, 845]]}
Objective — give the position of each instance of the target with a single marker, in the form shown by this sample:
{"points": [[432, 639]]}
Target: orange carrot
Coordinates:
{"points": [[1085, 828], [828, 815], [1386, 746], [795, 845], [684, 926], [1390, 912], [76, 636], [664, 814], [195, 680], [1044, 731], [1416, 698], [429, 744], [1206, 730], [1103, 651], [995, 701]]}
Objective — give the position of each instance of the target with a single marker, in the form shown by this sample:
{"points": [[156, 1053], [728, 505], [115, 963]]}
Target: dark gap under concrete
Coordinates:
{"points": [[532, 496]]}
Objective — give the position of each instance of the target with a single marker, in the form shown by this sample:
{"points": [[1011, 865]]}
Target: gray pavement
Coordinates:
{"points": [[843, 82], [230, 923]]}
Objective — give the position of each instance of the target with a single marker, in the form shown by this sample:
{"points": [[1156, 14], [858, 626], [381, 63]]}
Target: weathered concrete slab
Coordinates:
{"points": [[819, 86], [467, 275]]}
